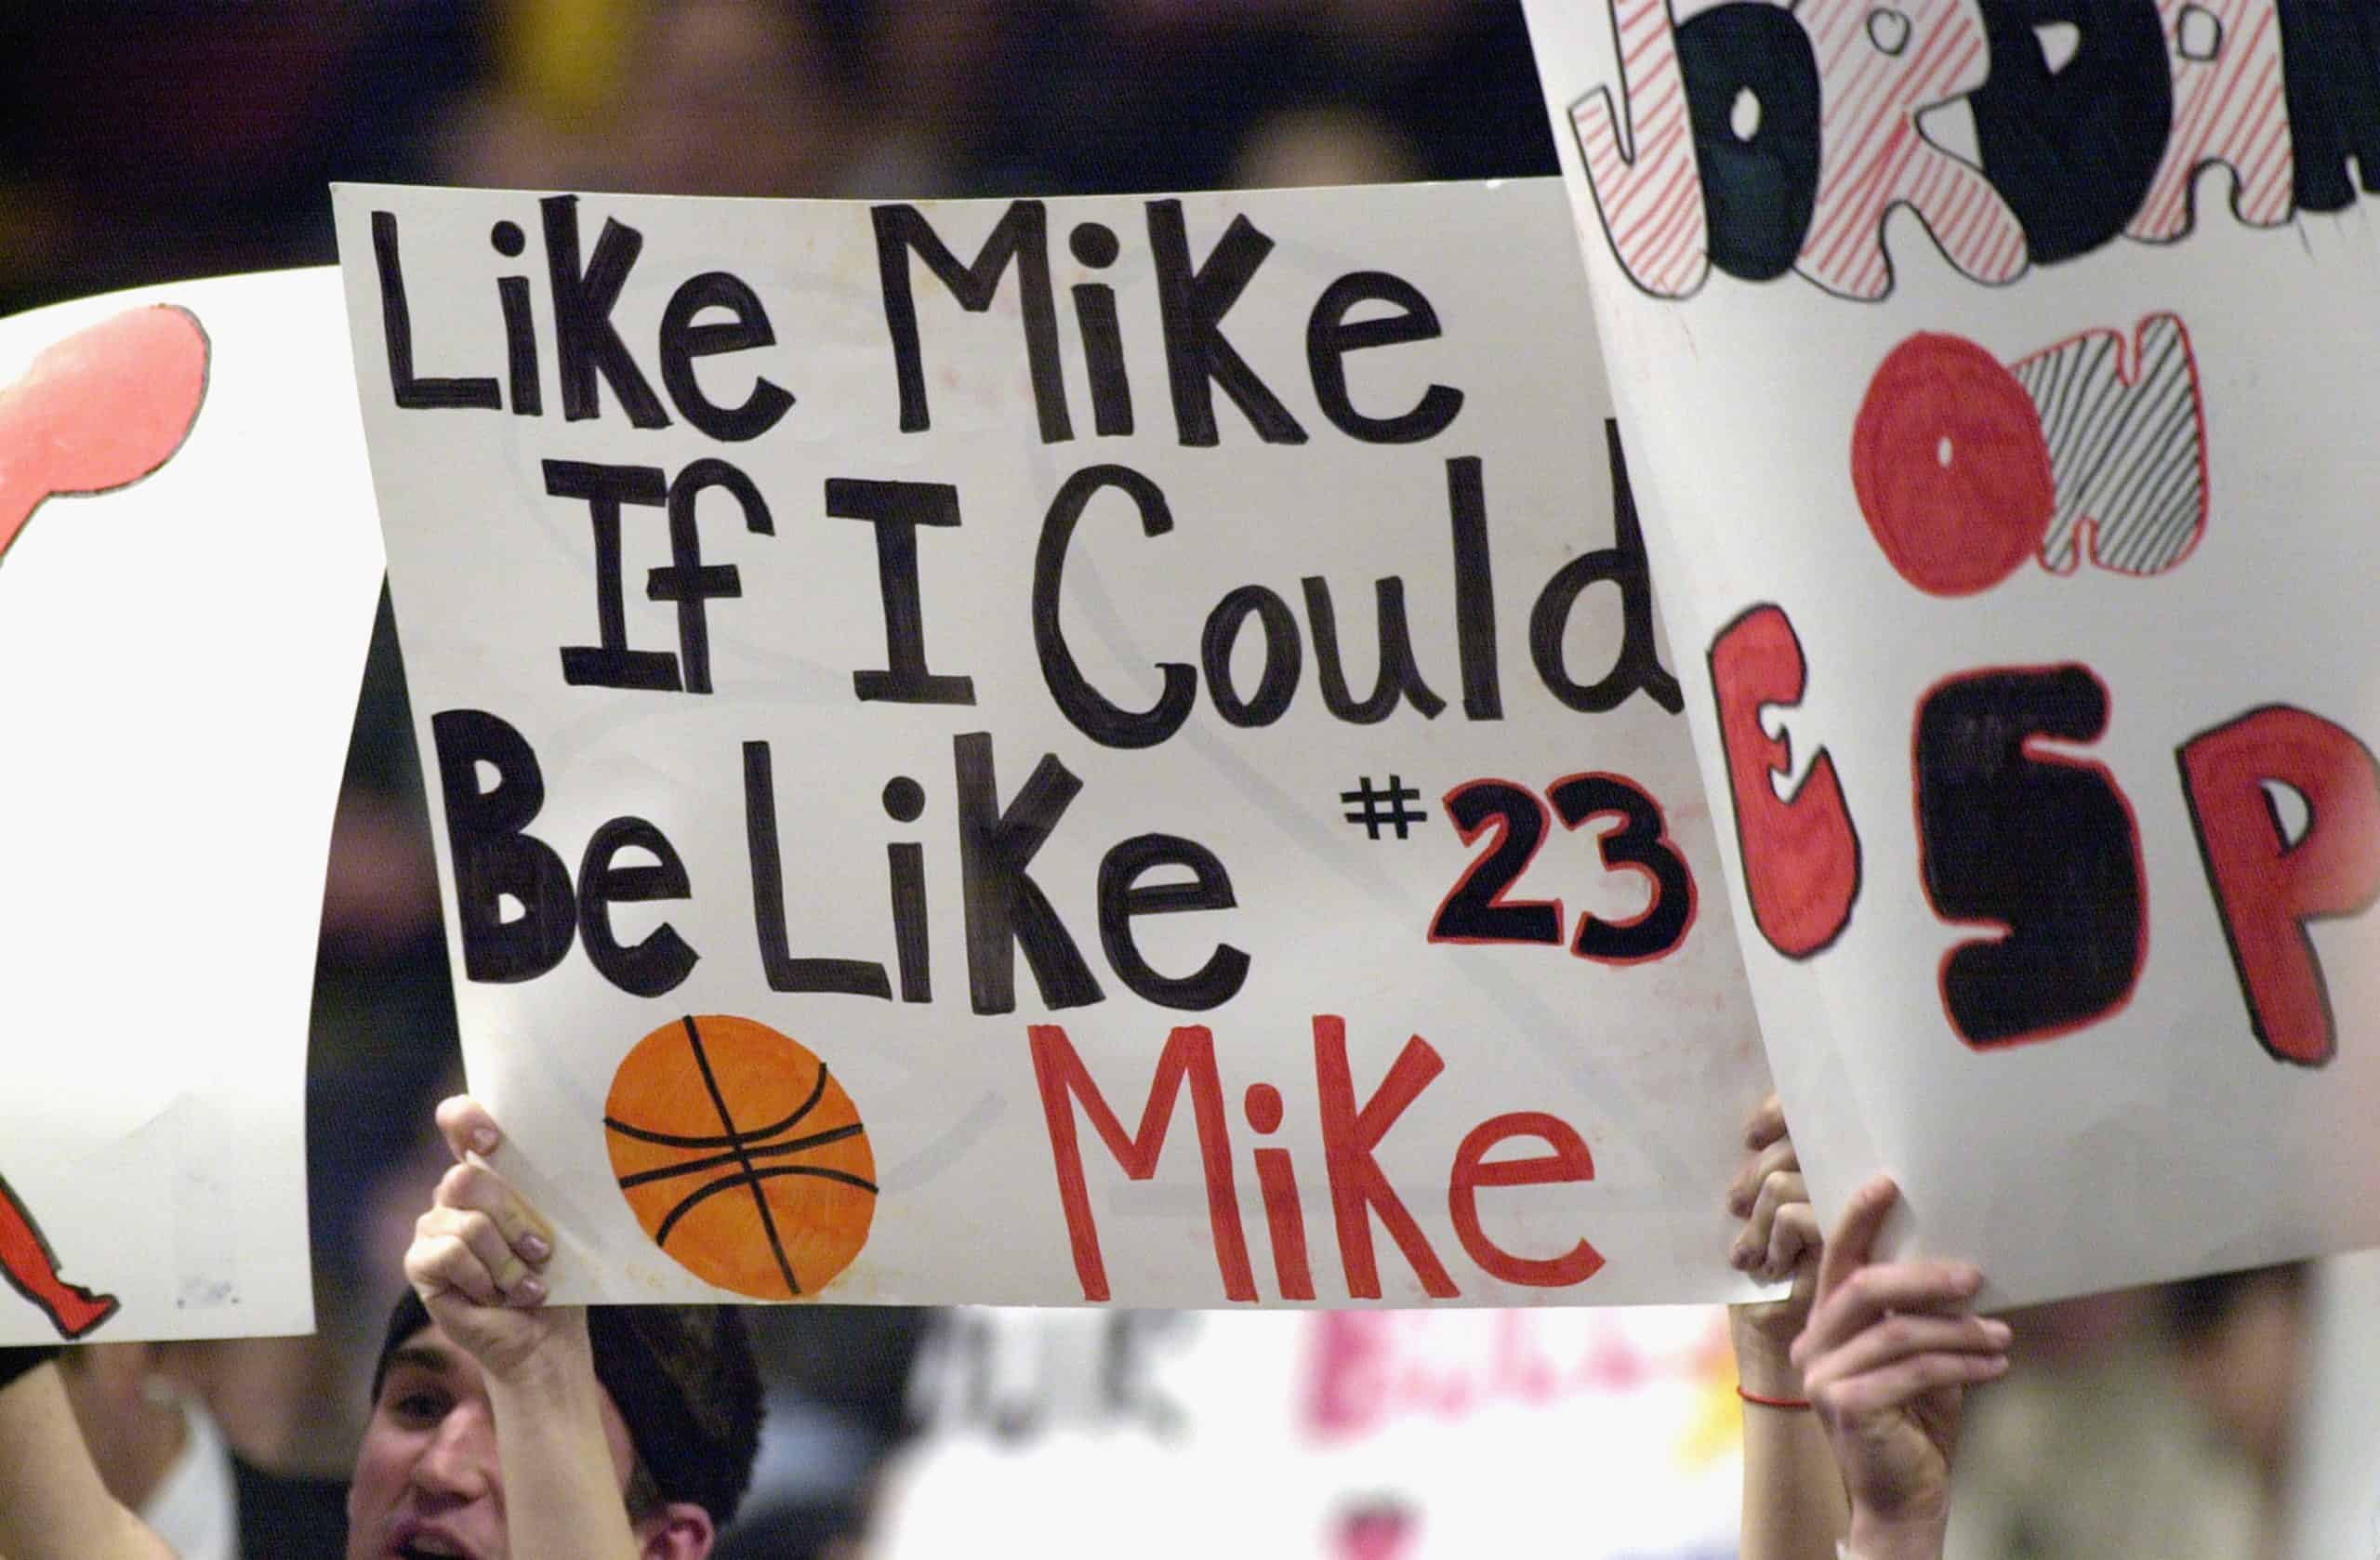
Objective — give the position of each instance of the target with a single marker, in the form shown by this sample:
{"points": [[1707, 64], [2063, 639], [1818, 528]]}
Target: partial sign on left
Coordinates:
{"points": [[189, 560]]}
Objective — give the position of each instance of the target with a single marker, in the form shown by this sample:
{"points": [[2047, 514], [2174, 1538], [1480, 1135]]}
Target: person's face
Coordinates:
{"points": [[427, 1481]]}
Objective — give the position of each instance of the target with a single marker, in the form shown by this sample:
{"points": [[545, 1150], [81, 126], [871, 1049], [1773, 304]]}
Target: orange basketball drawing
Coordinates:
{"points": [[741, 1156]]}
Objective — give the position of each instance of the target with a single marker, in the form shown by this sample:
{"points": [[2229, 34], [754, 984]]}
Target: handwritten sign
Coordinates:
{"points": [[2000, 408], [1339, 1436], [1096, 750], [188, 573]]}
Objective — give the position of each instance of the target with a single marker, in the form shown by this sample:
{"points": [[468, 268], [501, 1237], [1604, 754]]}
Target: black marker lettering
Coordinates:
{"points": [[1330, 337], [896, 509], [658, 963], [586, 342], [493, 858], [849, 977], [684, 340], [1122, 897], [1006, 909], [1023, 236], [415, 392], [1081, 703], [610, 664], [687, 580], [1398, 677], [1193, 302]]}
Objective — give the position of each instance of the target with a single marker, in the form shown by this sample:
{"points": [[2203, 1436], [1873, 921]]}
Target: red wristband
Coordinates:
{"points": [[1771, 1402]]}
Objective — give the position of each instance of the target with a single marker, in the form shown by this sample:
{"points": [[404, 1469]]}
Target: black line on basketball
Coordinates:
{"points": [[773, 1151], [671, 1140], [729, 1183], [727, 1121]]}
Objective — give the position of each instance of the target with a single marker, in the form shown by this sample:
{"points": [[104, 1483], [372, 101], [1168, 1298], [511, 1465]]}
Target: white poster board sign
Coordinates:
{"points": [[188, 568], [1054, 753], [1608, 1434], [2002, 405]]}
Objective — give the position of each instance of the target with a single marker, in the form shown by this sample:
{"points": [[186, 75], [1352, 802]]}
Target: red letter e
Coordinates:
{"points": [[1801, 858], [1569, 1161]]}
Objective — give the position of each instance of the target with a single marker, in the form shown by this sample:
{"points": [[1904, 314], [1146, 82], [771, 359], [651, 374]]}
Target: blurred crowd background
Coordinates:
{"points": [[151, 140], [154, 140]]}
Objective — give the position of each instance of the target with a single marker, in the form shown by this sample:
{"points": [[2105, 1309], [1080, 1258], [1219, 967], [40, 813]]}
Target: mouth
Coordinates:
{"points": [[431, 1546]]}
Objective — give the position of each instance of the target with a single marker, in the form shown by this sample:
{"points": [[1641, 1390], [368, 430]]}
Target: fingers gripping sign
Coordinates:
{"points": [[1780, 1229], [1779, 1240], [479, 1253], [1886, 1354], [475, 1233], [1792, 1496]]}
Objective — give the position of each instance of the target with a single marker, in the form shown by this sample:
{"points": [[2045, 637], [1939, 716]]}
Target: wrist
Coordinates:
{"points": [[1763, 1363], [554, 1360], [1895, 1537]]}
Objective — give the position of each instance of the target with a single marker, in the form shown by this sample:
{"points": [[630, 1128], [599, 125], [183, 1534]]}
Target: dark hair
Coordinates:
{"points": [[684, 1382], [2196, 1307]]}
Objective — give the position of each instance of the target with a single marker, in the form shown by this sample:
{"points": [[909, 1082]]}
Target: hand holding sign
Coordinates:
{"points": [[1779, 1240], [1885, 1357], [100, 410], [477, 1254]]}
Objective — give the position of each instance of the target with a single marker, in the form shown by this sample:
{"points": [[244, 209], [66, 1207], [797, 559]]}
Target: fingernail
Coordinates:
{"points": [[484, 1140], [1998, 1332], [534, 1247], [1969, 1277], [529, 1292]]}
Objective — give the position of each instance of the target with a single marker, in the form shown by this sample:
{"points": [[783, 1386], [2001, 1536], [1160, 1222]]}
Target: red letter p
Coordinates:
{"points": [[2266, 886]]}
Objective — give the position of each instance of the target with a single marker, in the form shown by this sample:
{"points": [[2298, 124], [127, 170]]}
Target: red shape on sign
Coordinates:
{"points": [[2268, 886], [100, 410], [1950, 465], [31, 1268], [1800, 856]]}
